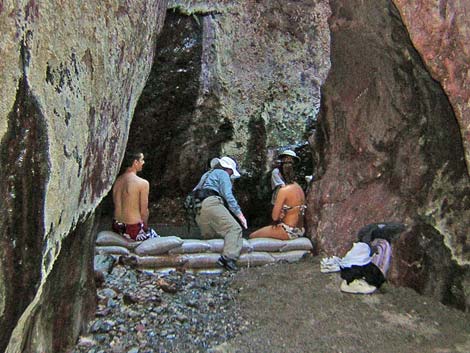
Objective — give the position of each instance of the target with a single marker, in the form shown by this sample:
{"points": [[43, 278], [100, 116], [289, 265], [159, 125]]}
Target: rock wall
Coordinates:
{"points": [[440, 31], [389, 148], [71, 75], [232, 77]]}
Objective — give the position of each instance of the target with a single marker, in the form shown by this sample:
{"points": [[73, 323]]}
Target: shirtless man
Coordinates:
{"points": [[130, 197]]}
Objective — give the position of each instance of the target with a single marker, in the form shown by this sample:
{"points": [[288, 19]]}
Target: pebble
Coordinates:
{"points": [[146, 312]]}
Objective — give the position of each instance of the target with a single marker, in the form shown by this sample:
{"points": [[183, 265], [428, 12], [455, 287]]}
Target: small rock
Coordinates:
{"points": [[108, 293], [86, 341], [166, 286], [129, 299]]}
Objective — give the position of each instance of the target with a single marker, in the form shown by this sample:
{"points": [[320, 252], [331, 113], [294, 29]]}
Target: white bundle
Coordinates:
{"points": [[330, 264]]}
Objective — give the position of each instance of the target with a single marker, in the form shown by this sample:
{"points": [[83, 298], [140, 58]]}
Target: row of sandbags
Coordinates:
{"points": [[174, 252]]}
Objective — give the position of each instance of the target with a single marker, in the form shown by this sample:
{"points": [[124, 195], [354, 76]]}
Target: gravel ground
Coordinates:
{"points": [[277, 308]]}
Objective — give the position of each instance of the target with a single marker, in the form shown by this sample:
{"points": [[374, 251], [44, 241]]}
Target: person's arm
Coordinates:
{"points": [[277, 209], [117, 203], [276, 179], [144, 202], [225, 188]]}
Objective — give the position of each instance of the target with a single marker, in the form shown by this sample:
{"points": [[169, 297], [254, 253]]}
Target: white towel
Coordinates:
{"points": [[330, 264], [359, 255]]}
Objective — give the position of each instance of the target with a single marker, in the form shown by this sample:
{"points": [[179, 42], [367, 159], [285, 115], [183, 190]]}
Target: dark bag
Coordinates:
{"points": [[194, 199], [192, 203]]}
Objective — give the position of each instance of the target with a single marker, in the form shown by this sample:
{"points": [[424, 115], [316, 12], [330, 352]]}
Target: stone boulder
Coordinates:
{"points": [[71, 74]]}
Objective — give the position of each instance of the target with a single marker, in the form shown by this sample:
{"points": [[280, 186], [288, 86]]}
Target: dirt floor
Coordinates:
{"points": [[296, 308]]}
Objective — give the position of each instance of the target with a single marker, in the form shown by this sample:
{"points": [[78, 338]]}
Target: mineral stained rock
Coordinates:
{"points": [[71, 75], [389, 148], [231, 77], [440, 31]]}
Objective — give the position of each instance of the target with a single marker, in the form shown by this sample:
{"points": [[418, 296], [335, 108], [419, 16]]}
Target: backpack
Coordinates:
{"points": [[192, 203]]}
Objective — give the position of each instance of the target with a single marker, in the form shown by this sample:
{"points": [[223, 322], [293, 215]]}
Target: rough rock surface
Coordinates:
{"points": [[440, 31], [231, 77], [71, 75], [389, 148]]}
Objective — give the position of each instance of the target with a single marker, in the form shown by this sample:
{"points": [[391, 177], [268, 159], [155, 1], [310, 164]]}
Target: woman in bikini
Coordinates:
{"points": [[288, 211]]}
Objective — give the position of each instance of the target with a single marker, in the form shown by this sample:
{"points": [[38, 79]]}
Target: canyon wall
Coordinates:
{"points": [[237, 78], [242, 78], [71, 74], [389, 148], [440, 31]]}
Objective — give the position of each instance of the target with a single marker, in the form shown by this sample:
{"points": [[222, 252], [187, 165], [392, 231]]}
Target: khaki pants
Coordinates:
{"points": [[214, 219]]}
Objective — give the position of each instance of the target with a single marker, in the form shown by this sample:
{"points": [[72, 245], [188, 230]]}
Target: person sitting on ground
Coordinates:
{"points": [[130, 198], [288, 211], [277, 180], [213, 218]]}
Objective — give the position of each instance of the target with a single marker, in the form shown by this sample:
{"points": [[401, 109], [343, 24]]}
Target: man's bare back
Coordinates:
{"points": [[130, 196]]}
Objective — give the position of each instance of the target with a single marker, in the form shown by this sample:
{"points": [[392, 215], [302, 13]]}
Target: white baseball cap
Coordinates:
{"points": [[289, 153], [229, 163]]}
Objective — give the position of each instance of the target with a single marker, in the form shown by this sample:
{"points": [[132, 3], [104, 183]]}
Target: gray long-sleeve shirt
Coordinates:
{"points": [[276, 179], [219, 181]]}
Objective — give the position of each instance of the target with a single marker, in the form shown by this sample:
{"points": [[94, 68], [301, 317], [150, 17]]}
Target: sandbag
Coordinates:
{"points": [[217, 246], [115, 250], [290, 256], [266, 244], [207, 260], [160, 261], [297, 244], [158, 246], [255, 259], [191, 246], [103, 263], [109, 238]]}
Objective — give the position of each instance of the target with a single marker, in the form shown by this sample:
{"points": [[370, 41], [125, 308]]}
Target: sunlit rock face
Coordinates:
{"points": [[230, 77], [389, 148], [71, 75], [440, 31]]}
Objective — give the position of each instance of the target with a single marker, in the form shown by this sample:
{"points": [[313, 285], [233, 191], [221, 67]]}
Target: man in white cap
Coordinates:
{"points": [[213, 218], [277, 181]]}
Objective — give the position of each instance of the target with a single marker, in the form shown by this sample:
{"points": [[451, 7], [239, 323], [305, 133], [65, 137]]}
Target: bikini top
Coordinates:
{"points": [[302, 208]]}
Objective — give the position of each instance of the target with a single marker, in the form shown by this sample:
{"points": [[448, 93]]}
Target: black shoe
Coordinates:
{"points": [[227, 263]]}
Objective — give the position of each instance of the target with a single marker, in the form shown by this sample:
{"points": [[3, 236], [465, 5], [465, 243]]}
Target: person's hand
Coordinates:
{"points": [[242, 219]]}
